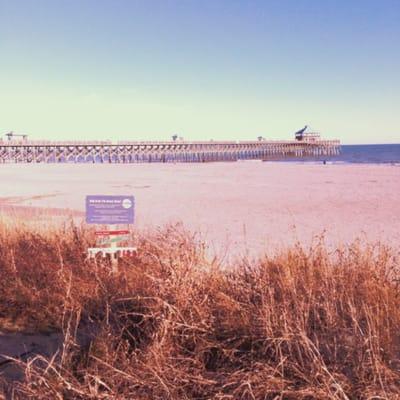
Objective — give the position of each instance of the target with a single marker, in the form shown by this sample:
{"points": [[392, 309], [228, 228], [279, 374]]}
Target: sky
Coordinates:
{"points": [[210, 69]]}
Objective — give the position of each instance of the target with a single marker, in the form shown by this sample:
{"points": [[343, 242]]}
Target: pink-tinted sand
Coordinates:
{"points": [[236, 206]]}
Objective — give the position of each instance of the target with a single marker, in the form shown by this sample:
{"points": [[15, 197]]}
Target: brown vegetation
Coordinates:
{"points": [[170, 325]]}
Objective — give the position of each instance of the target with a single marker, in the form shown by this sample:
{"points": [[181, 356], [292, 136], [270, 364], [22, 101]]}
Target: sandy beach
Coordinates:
{"points": [[238, 207]]}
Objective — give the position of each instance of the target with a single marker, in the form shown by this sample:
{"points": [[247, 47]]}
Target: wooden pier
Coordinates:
{"points": [[27, 151]]}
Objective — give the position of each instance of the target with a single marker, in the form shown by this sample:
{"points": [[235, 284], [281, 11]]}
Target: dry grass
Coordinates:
{"points": [[170, 325]]}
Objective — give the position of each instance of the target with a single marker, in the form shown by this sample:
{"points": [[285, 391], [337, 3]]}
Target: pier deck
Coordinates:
{"points": [[168, 151]]}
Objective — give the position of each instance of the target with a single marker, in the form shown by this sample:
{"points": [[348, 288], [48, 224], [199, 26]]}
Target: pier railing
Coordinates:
{"points": [[159, 151]]}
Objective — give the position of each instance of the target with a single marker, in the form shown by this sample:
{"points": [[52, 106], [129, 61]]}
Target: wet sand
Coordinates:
{"points": [[244, 206]]}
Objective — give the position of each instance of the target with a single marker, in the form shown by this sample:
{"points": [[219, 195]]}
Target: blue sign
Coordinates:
{"points": [[110, 210]]}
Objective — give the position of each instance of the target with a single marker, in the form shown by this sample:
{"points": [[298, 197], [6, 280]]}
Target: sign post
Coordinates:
{"points": [[111, 211]]}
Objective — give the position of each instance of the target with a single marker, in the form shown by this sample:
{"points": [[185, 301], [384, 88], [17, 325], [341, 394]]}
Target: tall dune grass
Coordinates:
{"points": [[303, 324]]}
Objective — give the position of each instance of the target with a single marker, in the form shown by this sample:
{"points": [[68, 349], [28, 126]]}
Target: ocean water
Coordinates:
{"points": [[369, 154], [359, 154]]}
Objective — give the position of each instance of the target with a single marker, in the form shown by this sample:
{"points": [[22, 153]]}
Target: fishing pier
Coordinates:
{"points": [[28, 151]]}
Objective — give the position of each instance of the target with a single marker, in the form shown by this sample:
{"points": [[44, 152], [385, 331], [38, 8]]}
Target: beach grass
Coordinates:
{"points": [[171, 324]]}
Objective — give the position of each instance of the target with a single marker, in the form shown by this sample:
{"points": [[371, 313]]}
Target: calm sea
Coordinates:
{"points": [[364, 154]]}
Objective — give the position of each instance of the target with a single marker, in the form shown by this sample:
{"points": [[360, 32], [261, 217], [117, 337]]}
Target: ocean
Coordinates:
{"points": [[359, 154]]}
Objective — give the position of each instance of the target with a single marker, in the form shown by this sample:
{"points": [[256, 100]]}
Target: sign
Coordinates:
{"points": [[114, 239], [108, 233], [110, 210]]}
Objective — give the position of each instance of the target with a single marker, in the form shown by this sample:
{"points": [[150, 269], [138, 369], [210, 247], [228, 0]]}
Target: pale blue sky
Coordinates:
{"points": [[127, 69]]}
